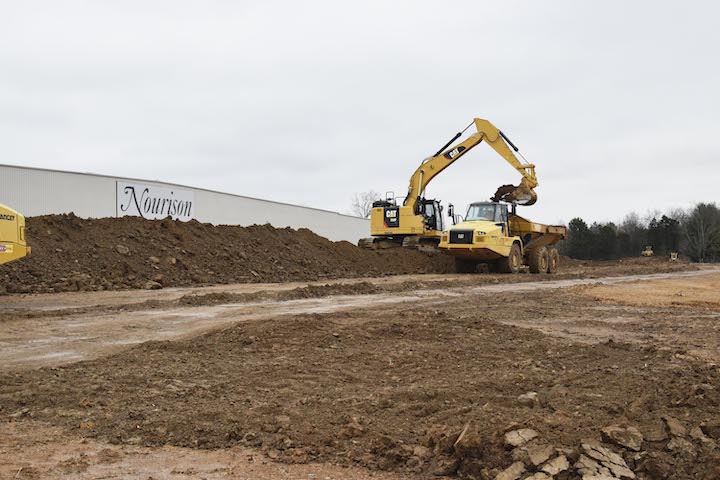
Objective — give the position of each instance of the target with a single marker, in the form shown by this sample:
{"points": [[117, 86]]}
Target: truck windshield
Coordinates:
{"points": [[481, 212]]}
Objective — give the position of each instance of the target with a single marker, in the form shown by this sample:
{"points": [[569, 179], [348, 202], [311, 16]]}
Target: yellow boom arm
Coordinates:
{"points": [[432, 166]]}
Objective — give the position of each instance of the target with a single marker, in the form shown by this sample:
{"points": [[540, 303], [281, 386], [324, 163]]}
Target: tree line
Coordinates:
{"points": [[694, 232]]}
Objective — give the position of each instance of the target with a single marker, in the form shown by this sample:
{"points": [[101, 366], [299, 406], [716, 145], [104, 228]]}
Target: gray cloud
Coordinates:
{"points": [[308, 102]]}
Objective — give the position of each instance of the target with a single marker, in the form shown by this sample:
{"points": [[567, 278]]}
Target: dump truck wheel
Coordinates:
{"points": [[511, 263], [539, 260], [553, 260], [465, 266]]}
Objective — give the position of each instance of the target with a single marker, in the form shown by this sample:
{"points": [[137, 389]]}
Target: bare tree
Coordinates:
{"points": [[362, 203], [702, 232]]}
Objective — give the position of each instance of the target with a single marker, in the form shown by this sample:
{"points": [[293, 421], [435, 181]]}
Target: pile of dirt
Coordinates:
{"points": [[411, 389], [71, 254]]}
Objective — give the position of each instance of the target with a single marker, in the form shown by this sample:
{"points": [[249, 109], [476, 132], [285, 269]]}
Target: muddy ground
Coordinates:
{"points": [[396, 381]]}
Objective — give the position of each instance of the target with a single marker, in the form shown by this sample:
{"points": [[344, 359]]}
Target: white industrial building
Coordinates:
{"points": [[36, 191]]}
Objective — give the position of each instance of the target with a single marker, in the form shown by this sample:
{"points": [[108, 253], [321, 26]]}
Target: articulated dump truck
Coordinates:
{"points": [[12, 235], [495, 235]]}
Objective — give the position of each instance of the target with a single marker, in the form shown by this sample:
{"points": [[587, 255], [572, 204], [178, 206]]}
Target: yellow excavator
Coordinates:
{"points": [[418, 222], [12, 235]]}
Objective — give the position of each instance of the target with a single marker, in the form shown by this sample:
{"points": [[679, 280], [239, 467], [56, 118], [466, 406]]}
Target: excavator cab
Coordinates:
{"points": [[431, 210]]}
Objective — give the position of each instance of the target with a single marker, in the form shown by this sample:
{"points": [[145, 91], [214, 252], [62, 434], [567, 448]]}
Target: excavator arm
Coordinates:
{"points": [[523, 194]]}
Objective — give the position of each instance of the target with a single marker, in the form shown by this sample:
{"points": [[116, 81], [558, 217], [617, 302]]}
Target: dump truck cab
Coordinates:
{"points": [[12, 235], [492, 233], [483, 235]]}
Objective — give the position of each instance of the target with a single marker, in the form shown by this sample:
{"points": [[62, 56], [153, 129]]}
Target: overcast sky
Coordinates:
{"points": [[616, 102]]}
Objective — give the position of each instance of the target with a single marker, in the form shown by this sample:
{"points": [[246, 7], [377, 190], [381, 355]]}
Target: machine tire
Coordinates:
{"points": [[539, 260], [511, 263], [553, 260], [465, 266]]}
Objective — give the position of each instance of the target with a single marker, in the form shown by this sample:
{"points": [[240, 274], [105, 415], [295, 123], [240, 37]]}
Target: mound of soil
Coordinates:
{"points": [[71, 254]]}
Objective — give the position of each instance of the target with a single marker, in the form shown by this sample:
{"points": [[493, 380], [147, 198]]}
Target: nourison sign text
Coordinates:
{"points": [[153, 202]]}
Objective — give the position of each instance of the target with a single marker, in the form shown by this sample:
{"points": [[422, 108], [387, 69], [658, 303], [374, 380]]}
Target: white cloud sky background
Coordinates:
{"points": [[616, 102]]}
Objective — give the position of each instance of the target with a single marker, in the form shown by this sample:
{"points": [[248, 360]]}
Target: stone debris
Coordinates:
{"points": [[556, 465], [351, 430], [683, 448], [520, 437], [629, 437], [529, 399], [712, 429], [152, 285], [586, 466], [656, 434], [697, 434], [533, 454], [603, 461], [513, 472], [539, 476], [537, 460], [447, 467], [674, 427]]}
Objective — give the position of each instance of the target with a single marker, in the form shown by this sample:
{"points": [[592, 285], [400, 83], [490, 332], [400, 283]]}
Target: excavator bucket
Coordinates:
{"points": [[521, 195]]}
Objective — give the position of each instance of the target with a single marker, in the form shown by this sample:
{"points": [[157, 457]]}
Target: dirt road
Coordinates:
{"points": [[66, 337], [364, 378]]}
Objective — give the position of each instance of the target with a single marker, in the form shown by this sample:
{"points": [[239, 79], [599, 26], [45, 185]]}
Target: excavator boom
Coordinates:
{"points": [[522, 194], [418, 222]]}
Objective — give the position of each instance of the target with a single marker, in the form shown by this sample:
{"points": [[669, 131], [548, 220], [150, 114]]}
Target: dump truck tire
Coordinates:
{"points": [[511, 263], [465, 266], [539, 260], [553, 260]]}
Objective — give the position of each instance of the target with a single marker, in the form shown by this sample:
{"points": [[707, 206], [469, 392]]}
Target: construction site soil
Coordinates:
{"points": [[590, 374], [74, 254], [423, 387], [71, 254]]}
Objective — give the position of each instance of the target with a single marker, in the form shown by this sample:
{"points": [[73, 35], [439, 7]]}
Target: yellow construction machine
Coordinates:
{"points": [[418, 222], [648, 252], [12, 235], [492, 233]]}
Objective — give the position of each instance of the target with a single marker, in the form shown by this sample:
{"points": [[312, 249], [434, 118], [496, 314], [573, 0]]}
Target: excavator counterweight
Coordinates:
{"points": [[12, 235]]}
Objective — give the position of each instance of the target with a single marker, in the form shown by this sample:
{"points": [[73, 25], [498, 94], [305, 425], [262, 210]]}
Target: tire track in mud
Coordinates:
{"points": [[64, 339]]}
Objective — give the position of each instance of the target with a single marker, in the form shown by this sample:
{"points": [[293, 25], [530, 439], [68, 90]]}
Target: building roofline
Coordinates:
{"points": [[90, 174]]}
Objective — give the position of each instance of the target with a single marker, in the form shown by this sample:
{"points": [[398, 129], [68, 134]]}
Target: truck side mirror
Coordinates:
{"points": [[451, 211]]}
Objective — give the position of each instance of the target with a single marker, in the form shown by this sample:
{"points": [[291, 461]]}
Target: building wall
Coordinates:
{"points": [[34, 192]]}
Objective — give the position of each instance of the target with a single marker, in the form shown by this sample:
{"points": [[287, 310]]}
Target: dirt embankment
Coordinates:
{"points": [[70, 254], [74, 254]]}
